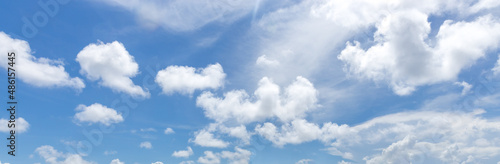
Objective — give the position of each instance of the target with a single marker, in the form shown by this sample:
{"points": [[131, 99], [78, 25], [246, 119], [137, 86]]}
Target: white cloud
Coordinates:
{"points": [[336, 152], [112, 65], [236, 106], [206, 139], [344, 162], [116, 161], [52, 156], [183, 153], [187, 162], [294, 44], [209, 158], [484, 4], [236, 109], [148, 130], [302, 37], [186, 80], [236, 131], [496, 69], [299, 39], [304, 161], [466, 86], [296, 132], [239, 156], [185, 15], [39, 72], [158, 162], [169, 131], [97, 113], [398, 152], [436, 137], [146, 145], [264, 61], [403, 57], [488, 101], [21, 125]]}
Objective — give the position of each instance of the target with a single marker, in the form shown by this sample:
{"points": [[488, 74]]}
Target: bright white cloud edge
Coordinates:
{"points": [[97, 113], [111, 65]]}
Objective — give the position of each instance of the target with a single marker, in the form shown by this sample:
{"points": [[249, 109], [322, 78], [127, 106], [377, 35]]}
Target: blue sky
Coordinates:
{"points": [[237, 81]]}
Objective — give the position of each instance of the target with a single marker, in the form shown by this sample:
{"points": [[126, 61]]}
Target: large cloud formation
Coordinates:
{"points": [[402, 50], [410, 136], [404, 58], [413, 137], [303, 40], [268, 101]]}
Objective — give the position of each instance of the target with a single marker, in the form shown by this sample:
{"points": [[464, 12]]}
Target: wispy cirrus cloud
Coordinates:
{"points": [[185, 15]]}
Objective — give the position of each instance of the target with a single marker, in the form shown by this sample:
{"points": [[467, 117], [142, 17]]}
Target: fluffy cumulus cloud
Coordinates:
{"points": [[286, 51], [400, 151], [209, 158], [186, 80], [236, 109], [239, 132], [239, 156], [97, 113], [183, 153], [40, 72], [146, 145], [405, 52], [169, 131], [206, 139], [268, 101], [296, 132], [21, 125], [299, 39], [116, 161], [52, 156], [403, 57], [112, 66], [185, 15], [265, 62], [158, 162]]}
